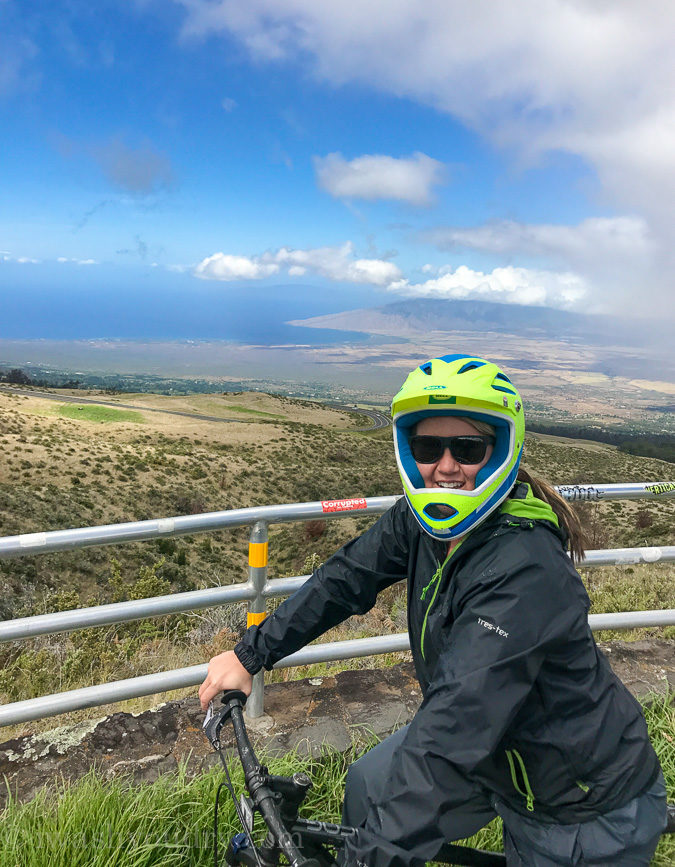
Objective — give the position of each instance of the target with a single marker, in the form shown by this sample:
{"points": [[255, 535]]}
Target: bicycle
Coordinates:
{"points": [[303, 842]]}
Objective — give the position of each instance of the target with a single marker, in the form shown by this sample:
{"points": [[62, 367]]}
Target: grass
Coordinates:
{"points": [[84, 412], [640, 587], [116, 823], [55, 474]]}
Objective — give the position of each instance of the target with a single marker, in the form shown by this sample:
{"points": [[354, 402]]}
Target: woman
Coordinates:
{"points": [[521, 716]]}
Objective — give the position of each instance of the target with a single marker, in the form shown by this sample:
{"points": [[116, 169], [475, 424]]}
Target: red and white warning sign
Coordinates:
{"points": [[343, 505]]}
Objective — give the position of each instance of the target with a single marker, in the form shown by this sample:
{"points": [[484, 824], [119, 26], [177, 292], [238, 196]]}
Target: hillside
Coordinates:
{"points": [[68, 467]]}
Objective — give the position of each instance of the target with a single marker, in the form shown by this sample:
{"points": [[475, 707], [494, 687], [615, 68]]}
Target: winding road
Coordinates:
{"points": [[378, 419]]}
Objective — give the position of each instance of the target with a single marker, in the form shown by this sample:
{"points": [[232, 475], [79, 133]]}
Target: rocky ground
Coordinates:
{"points": [[306, 715]]}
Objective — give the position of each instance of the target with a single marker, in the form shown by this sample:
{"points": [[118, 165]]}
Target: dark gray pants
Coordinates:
{"points": [[625, 837]]}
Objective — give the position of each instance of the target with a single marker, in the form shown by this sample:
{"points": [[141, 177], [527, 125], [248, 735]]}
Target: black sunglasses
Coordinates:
{"points": [[464, 449]]}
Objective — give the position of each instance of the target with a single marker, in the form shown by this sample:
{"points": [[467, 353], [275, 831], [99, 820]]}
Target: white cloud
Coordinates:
{"points": [[587, 77], [221, 266], [504, 285], [66, 260], [376, 176], [617, 256], [338, 263], [333, 263], [625, 237]]}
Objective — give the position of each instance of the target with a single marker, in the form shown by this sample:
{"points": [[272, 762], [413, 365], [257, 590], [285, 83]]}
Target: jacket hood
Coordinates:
{"points": [[523, 504]]}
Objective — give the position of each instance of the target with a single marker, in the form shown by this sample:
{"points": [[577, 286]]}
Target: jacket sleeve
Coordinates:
{"points": [[502, 626], [346, 584]]}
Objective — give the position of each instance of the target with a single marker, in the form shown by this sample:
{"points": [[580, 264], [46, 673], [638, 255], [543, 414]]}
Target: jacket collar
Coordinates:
{"points": [[520, 507]]}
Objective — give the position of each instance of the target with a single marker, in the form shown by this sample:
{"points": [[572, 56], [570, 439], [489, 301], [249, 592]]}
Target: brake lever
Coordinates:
{"points": [[216, 719]]}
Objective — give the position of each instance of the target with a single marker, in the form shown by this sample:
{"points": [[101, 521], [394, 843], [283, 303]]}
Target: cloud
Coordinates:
{"points": [[586, 77], [6, 256], [503, 285], [221, 266], [333, 263], [229, 104], [617, 256], [63, 260], [375, 176], [596, 236], [137, 170]]}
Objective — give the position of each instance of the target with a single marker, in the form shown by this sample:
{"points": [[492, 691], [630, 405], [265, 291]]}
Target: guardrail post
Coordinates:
{"points": [[257, 607]]}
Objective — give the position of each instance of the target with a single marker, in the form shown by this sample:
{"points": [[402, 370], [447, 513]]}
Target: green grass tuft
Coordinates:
{"points": [[120, 824], [84, 412]]}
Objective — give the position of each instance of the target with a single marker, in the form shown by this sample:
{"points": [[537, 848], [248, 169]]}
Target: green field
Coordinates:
{"points": [[119, 824], [88, 412]]}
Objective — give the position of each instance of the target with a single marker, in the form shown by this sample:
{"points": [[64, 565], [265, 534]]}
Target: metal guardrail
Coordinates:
{"points": [[151, 684], [256, 591], [137, 531], [156, 606], [183, 525]]}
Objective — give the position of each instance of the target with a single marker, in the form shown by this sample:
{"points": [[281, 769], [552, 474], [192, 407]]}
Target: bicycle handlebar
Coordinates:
{"points": [[265, 789], [255, 774]]}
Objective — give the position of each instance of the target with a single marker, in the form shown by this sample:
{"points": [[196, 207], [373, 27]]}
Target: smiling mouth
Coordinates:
{"points": [[450, 485]]}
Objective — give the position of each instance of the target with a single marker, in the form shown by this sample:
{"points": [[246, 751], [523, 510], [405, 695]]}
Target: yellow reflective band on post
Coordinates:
{"points": [[257, 554], [253, 618]]}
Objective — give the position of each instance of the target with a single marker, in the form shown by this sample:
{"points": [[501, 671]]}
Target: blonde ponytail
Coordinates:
{"points": [[567, 517]]}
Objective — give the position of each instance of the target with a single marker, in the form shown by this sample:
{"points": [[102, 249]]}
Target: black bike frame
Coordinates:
{"points": [[278, 799]]}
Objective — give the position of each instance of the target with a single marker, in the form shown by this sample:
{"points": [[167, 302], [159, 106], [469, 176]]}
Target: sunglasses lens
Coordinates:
{"points": [[468, 450], [465, 450], [426, 450]]}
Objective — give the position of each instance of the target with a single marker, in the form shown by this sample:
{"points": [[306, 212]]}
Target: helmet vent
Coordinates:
{"points": [[426, 368], [502, 376], [470, 365]]}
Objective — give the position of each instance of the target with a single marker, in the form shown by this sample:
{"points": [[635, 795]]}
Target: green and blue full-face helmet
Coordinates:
{"points": [[472, 388]]}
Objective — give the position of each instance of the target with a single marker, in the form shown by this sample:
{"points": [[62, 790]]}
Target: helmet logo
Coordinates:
{"points": [[441, 398], [434, 387]]}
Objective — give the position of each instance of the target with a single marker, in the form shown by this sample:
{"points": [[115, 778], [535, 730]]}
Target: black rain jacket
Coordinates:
{"points": [[517, 698]]}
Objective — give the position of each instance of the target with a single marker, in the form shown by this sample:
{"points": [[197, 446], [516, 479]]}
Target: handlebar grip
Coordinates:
{"points": [[234, 695]]}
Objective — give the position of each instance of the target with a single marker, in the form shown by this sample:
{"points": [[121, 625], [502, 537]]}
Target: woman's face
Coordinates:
{"points": [[446, 472]]}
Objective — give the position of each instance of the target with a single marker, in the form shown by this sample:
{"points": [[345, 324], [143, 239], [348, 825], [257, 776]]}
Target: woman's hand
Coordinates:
{"points": [[225, 672]]}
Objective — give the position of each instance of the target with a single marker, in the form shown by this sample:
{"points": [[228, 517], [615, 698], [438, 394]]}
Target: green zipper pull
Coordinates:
{"points": [[435, 580], [528, 794], [437, 574], [583, 786]]}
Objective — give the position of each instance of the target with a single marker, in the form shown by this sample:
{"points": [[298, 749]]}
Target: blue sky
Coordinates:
{"points": [[169, 153]]}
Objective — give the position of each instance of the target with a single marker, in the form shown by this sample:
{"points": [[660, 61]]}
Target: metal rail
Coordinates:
{"points": [[151, 684], [183, 525], [256, 591], [156, 606], [136, 531]]}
